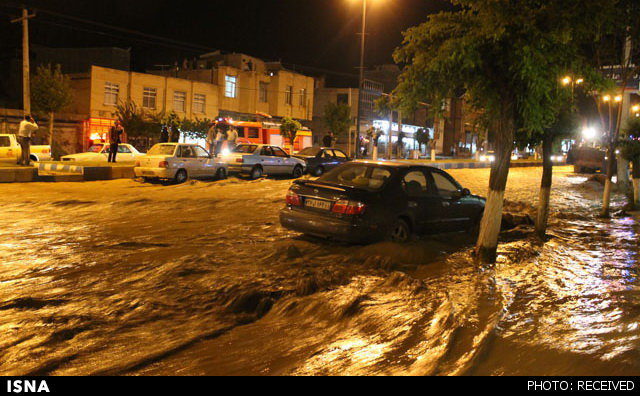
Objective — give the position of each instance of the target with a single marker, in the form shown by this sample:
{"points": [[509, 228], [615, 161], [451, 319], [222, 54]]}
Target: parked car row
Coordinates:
{"points": [[180, 161]]}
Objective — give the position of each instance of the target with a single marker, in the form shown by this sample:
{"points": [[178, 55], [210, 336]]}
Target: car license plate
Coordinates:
{"points": [[149, 173], [317, 204]]}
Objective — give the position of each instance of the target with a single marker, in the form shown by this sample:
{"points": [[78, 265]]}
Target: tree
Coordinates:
{"points": [[385, 106], [374, 134], [630, 150], [138, 125], [338, 118], [506, 55], [50, 92], [616, 43], [289, 129], [565, 125], [423, 137], [197, 128]]}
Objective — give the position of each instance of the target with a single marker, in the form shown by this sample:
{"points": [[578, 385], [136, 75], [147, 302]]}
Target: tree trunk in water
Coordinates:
{"points": [[487, 245], [635, 173], [623, 175], [545, 188], [51, 121], [606, 199]]}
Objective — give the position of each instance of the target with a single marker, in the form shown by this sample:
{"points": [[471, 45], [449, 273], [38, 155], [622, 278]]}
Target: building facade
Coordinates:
{"points": [[97, 93], [249, 86]]}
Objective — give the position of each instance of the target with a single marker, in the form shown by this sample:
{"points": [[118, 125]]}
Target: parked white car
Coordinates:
{"points": [[257, 160], [10, 150], [100, 153], [179, 162]]}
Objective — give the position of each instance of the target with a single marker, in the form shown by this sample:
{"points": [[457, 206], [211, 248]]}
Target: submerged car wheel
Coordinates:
{"points": [[297, 171], [181, 176], [318, 171], [400, 231], [256, 172], [221, 174]]}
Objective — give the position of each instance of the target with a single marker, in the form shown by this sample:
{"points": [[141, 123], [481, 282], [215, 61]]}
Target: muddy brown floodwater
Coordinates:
{"points": [[125, 278]]}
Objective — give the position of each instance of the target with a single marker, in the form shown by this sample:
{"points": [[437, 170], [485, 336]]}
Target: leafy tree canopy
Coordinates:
{"points": [[289, 129], [50, 89], [338, 118], [507, 55]]}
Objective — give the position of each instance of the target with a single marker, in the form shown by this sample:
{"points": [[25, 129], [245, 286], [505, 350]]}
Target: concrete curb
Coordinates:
{"points": [[17, 175], [64, 173], [44, 167]]}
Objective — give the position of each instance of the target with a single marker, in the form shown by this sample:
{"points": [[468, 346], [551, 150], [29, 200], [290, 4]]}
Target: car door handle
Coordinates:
{"points": [[413, 204], [446, 204]]}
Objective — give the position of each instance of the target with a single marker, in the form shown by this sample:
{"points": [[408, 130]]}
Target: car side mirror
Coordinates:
{"points": [[465, 192]]}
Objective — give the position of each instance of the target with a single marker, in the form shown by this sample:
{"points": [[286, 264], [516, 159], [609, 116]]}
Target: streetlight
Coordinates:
{"points": [[361, 80], [589, 133]]}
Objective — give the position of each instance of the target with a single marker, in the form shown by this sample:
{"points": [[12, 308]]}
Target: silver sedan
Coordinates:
{"points": [[257, 160]]}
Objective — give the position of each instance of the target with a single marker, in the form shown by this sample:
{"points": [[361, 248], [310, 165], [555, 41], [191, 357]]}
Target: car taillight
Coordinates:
{"points": [[163, 164], [349, 207], [293, 199], [46, 151], [240, 160]]}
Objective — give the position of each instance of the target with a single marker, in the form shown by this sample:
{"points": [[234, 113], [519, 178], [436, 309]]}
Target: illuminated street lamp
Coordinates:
{"points": [[635, 109], [589, 133], [361, 80]]}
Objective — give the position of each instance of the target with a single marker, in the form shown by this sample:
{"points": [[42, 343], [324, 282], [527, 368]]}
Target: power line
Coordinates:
{"points": [[116, 28], [150, 39]]}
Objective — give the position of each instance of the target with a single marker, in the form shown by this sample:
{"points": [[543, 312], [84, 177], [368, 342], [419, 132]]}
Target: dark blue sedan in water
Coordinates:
{"points": [[322, 159], [366, 201]]}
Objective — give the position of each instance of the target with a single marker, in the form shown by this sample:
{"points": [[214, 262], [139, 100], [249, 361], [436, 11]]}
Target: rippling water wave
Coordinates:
{"points": [[200, 279]]}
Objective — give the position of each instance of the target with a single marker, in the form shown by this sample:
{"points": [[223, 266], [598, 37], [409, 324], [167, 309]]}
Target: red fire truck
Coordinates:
{"points": [[267, 132]]}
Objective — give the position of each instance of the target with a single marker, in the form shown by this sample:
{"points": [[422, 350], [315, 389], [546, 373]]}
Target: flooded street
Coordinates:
{"points": [[127, 278]]}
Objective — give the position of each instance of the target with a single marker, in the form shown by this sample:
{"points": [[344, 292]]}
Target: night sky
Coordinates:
{"points": [[316, 33]]}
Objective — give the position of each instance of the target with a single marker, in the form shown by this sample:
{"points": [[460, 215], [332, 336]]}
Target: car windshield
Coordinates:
{"points": [[245, 148], [363, 176], [311, 151], [95, 148], [162, 149]]}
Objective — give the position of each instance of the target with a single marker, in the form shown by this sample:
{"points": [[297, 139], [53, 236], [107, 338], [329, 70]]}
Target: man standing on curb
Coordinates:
{"points": [[26, 128], [115, 136]]}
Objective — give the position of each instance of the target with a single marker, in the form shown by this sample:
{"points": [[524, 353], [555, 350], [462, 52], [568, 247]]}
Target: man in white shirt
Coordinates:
{"points": [[25, 130], [232, 137]]}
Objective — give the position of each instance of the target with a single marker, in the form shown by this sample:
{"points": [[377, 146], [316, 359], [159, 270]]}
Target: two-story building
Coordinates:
{"points": [[249, 86], [97, 93]]}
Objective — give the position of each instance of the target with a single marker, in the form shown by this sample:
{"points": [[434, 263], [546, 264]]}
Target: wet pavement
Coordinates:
{"points": [[125, 278]]}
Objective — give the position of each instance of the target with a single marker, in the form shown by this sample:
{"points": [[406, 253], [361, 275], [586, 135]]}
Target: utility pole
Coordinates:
{"points": [[361, 82], [26, 87]]}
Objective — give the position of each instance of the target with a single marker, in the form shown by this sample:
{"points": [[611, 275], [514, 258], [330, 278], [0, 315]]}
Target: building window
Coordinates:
{"points": [[149, 96], [264, 92], [343, 99], [231, 86], [288, 95], [303, 97], [111, 92], [179, 101], [199, 103]]}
